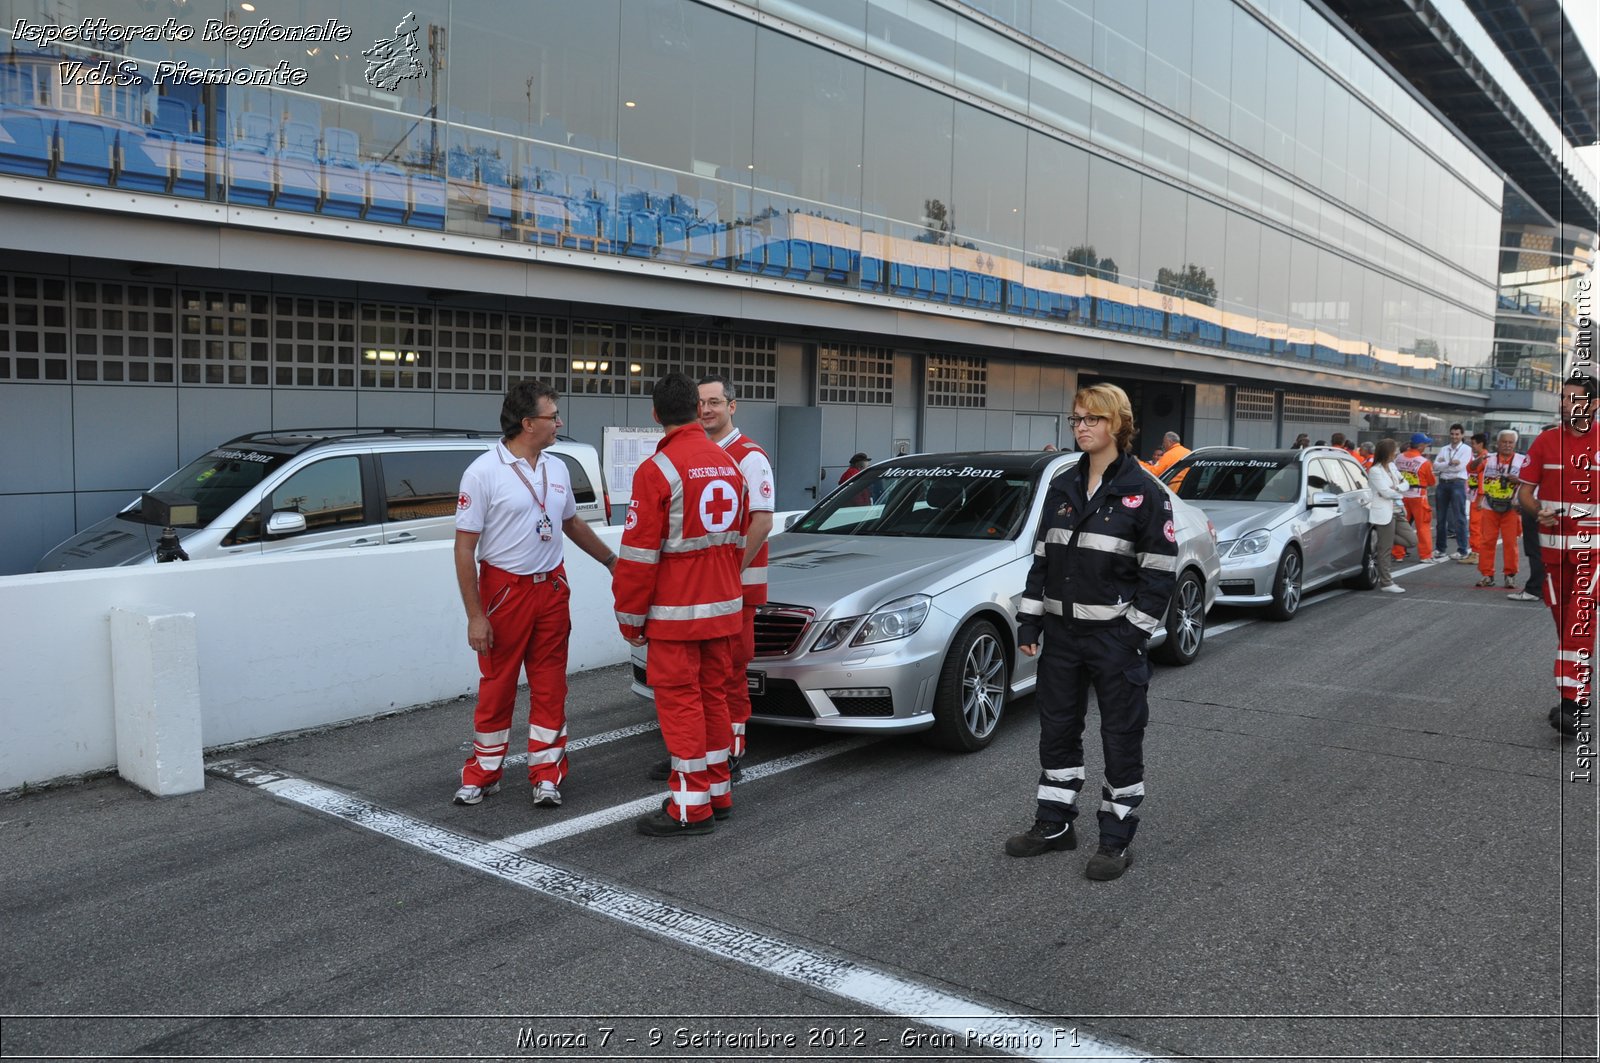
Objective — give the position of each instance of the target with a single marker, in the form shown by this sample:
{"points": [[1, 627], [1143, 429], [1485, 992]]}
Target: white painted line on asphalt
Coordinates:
{"points": [[1025, 1036], [617, 813], [585, 742], [1246, 621]]}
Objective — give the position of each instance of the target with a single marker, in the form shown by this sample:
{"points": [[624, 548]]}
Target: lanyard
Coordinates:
{"points": [[544, 476]]}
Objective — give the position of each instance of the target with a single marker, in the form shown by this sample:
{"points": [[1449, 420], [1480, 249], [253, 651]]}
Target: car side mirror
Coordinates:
{"points": [[1323, 500], [286, 523], [788, 522]]}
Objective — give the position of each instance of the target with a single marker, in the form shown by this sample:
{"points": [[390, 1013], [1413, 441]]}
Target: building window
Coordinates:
{"points": [[1317, 409], [750, 362], [1252, 404], [536, 349], [600, 364], [314, 342], [33, 328], [122, 333], [958, 381], [652, 354], [471, 350], [854, 374], [224, 337]]}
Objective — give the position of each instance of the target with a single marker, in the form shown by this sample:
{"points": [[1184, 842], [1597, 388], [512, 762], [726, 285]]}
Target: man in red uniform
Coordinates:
{"points": [[719, 401], [1561, 486], [677, 586], [514, 504]]}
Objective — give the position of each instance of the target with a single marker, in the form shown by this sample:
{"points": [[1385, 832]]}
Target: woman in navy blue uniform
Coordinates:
{"points": [[1104, 565]]}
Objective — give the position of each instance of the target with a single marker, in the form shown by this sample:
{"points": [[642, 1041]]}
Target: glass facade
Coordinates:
{"points": [[1211, 173]]}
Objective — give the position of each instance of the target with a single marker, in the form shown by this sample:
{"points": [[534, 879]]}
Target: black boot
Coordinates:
{"points": [[1108, 862], [1045, 836], [1564, 717]]}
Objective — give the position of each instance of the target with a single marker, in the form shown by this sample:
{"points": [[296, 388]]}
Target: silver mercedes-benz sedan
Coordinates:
{"points": [[893, 601], [1288, 521]]}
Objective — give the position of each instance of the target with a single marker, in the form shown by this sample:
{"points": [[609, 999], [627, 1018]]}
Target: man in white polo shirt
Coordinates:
{"points": [[1450, 497], [514, 506]]}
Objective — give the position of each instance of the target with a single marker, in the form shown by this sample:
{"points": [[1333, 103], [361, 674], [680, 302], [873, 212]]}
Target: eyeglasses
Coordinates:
{"points": [[1088, 421], [542, 417], [714, 404]]}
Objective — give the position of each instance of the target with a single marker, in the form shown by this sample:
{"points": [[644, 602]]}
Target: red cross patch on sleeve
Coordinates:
{"points": [[463, 501]]}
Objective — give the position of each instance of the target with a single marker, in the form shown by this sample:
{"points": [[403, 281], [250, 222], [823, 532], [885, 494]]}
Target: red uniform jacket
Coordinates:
{"points": [[677, 575], [754, 578]]}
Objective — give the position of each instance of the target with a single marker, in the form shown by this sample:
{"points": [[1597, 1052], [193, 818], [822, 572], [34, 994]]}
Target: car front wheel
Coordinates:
{"points": [[1186, 622], [1287, 586], [973, 686]]}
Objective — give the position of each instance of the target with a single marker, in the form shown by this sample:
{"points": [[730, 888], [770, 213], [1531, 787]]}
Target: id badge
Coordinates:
{"points": [[545, 529]]}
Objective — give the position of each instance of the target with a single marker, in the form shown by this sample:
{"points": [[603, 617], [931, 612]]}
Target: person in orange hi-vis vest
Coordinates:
{"points": [[677, 585], [1417, 471], [1480, 454], [1494, 514], [1561, 489]]}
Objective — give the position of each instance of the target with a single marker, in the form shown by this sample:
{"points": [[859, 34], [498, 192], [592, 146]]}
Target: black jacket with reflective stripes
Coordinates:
{"points": [[1110, 561]]}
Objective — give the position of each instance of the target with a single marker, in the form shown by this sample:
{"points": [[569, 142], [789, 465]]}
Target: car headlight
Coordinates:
{"points": [[836, 632], [1254, 543], [897, 620]]}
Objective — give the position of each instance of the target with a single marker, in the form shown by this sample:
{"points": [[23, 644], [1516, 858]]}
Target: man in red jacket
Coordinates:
{"points": [[677, 585], [1561, 489]]}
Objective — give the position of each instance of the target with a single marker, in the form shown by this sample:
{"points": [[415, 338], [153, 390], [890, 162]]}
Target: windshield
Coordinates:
{"points": [[215, 481], [1235, 478], [943, 502]]}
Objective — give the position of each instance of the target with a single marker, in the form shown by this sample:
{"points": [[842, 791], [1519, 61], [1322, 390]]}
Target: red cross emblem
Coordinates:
{"points": [[719, 504], [1133, 501], [463, 501]]}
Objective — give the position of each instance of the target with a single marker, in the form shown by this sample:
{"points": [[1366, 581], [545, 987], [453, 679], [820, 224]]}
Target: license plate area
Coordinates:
{"points": [[756, 682]]}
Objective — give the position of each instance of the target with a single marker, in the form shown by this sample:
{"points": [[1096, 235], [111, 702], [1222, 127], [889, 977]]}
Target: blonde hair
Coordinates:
{"points": [[1112, 403]]}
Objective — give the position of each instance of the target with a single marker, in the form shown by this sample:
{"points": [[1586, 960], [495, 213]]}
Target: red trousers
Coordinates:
{"points": [[1488, 526], [1572, 603], [744, 651], [531, 623], [691, 682], [1420, 514]]}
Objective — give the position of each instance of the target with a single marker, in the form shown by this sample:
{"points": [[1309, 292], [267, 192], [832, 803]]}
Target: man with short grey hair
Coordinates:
{"points": [[1495, 515]]}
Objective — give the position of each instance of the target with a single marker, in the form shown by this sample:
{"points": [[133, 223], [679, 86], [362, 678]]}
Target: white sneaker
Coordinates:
{"points": [[1437, 559], [547, 796], [1523, 596], [1392, 588], [472, 795]]}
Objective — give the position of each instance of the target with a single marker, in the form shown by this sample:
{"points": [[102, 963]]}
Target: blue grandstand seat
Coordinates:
{"points": [[496, 188], [579, 186], [251, 158], [902, 278], [606, 192], [666, 181], [144, 164], [870, 275], [749, 250], [800, 260], [1030, 301], [924, 282], [427, 200], [614, 230], [706, 209], [775, 255], [302, 138], [660, 202], [632, 197], [174, 118], [644, 233], [299, 181], [1013, 297], [87, 152], [549, 220], [387, 192], [703, 243], [552, 182], [958, 287], [583, 224], [674, 236], [991, 292], [13, 88], [941, 285], [29, 145]]}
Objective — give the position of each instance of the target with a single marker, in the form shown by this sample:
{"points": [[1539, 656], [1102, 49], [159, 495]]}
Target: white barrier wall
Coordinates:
{"points": [[283, 643]]}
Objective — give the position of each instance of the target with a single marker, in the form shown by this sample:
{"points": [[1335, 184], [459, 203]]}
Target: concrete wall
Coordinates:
{"points": [[283, 643]]}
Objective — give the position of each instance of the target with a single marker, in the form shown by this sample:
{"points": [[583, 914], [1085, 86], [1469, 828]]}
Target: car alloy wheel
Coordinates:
{"points": [[1286, 588], [1186, 622], [973, 686]]}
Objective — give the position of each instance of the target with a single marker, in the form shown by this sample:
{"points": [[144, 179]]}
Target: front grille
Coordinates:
{"points": [[1238, 586], [640, 677], [779, 628], [864, 706], [783, 698]]}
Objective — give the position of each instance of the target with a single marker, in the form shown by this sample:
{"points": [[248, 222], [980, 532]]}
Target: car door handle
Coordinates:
{"points": [[403, 537], [365, 542]]}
